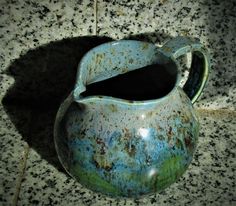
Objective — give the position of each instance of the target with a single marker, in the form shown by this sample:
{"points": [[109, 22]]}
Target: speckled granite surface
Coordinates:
{"points": [[41, 39]]}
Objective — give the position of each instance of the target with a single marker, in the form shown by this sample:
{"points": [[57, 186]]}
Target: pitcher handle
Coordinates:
{"points": [[200, 65]]}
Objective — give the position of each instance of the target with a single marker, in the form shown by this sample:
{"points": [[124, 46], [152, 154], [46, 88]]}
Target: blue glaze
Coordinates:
{"points": [[128, 148]]}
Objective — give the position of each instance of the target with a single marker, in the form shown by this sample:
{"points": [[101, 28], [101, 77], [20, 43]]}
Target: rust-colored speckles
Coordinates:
{"points": [[101, 145], [185, 119], [131, 61], [149, 114], [145, 46], [113, 51], [125, 70], [119, 138], [101, 162], [167, 49], [170, 133], [113, 108], [98, 58], [127, 133], [179, 144], [187, 141], [99, 141], [189, 144], [108, 167], [181, 130], [159, 128], [103, 150], [130, 149]]}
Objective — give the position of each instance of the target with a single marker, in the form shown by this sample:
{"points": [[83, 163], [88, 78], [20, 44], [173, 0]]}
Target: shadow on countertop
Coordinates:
{"points": [[43, 79], [220, 31]]}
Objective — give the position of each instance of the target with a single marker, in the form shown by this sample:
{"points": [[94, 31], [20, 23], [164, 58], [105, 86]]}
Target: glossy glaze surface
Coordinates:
{"points": [[125, 149], [129, 148]]}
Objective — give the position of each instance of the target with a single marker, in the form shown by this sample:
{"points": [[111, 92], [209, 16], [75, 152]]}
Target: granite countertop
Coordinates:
{"points": [[41, 45]]}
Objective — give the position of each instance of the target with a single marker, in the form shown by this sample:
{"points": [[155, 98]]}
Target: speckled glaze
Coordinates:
{"points": [[130, 148]]}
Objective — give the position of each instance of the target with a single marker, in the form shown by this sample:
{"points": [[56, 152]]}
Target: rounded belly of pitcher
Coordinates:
{"points": [[126, 154]]}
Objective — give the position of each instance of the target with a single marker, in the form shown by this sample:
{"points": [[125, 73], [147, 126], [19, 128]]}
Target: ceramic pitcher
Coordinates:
{"points": [[129, 148]]}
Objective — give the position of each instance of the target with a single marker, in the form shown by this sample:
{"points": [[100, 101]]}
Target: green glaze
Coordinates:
{"points": [[91, 180], [130, 148], [171, 169]]}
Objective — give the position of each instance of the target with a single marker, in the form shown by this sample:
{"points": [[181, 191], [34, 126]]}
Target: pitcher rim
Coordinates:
{"points": [[79, 98]]}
